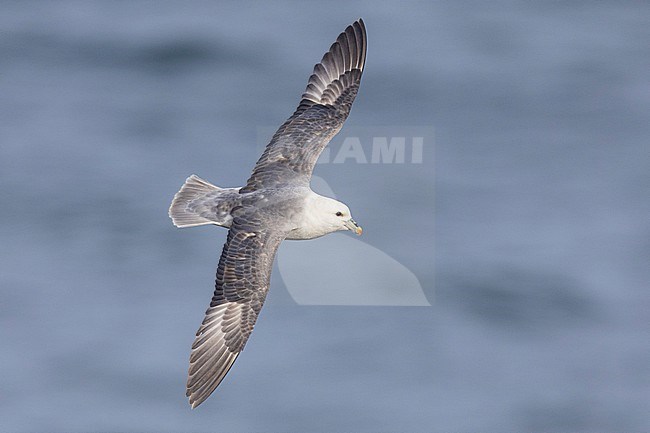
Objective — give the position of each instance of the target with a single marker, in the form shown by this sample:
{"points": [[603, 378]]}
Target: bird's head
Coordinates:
{"points": [[336, 215]]}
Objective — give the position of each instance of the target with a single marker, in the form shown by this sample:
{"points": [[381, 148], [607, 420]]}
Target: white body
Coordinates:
{"points": [[200, 203]]}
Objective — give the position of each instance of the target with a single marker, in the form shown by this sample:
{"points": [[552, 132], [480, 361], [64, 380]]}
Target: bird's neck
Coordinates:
{"points": [[311, 223]]}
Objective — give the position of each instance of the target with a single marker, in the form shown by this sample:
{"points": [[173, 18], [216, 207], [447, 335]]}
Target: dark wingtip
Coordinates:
{"points": [[359, 29], [362, 25]]}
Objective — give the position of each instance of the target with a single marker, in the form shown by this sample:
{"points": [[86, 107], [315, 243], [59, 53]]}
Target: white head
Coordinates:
{"points": [[332, 215]]}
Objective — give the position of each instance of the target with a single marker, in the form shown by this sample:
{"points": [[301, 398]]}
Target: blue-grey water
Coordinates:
{"points": [[527, 222]]}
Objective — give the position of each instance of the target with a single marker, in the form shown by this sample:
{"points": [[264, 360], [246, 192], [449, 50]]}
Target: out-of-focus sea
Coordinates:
{"points": [[527, 222]]}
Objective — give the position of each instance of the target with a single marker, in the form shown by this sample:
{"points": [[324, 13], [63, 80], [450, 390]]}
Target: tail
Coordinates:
{"points": [[195, 204]]}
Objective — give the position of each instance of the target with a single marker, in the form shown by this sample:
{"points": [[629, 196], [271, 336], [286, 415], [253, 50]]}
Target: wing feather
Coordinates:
{"points": [[325, 105], [243, 278]]}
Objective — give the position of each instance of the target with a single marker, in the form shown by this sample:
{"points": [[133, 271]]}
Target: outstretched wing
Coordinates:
{"points": [[292, 153], [243, 278]]}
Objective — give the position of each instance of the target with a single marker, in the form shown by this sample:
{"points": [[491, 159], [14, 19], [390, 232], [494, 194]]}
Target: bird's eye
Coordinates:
{"points": [[339, 214]]}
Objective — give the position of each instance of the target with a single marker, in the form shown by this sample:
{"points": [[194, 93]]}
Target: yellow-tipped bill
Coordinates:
{"points": [[352, 225]]}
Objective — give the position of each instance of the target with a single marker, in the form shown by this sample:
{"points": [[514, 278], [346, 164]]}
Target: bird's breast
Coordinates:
{"points": [[305, 233]]}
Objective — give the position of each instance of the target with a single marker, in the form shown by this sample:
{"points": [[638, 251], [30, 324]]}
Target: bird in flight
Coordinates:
{"points": [[276, 203]]}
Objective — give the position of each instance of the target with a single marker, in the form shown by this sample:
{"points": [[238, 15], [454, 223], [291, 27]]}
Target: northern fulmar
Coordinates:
{"points": [[276, 203]]}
